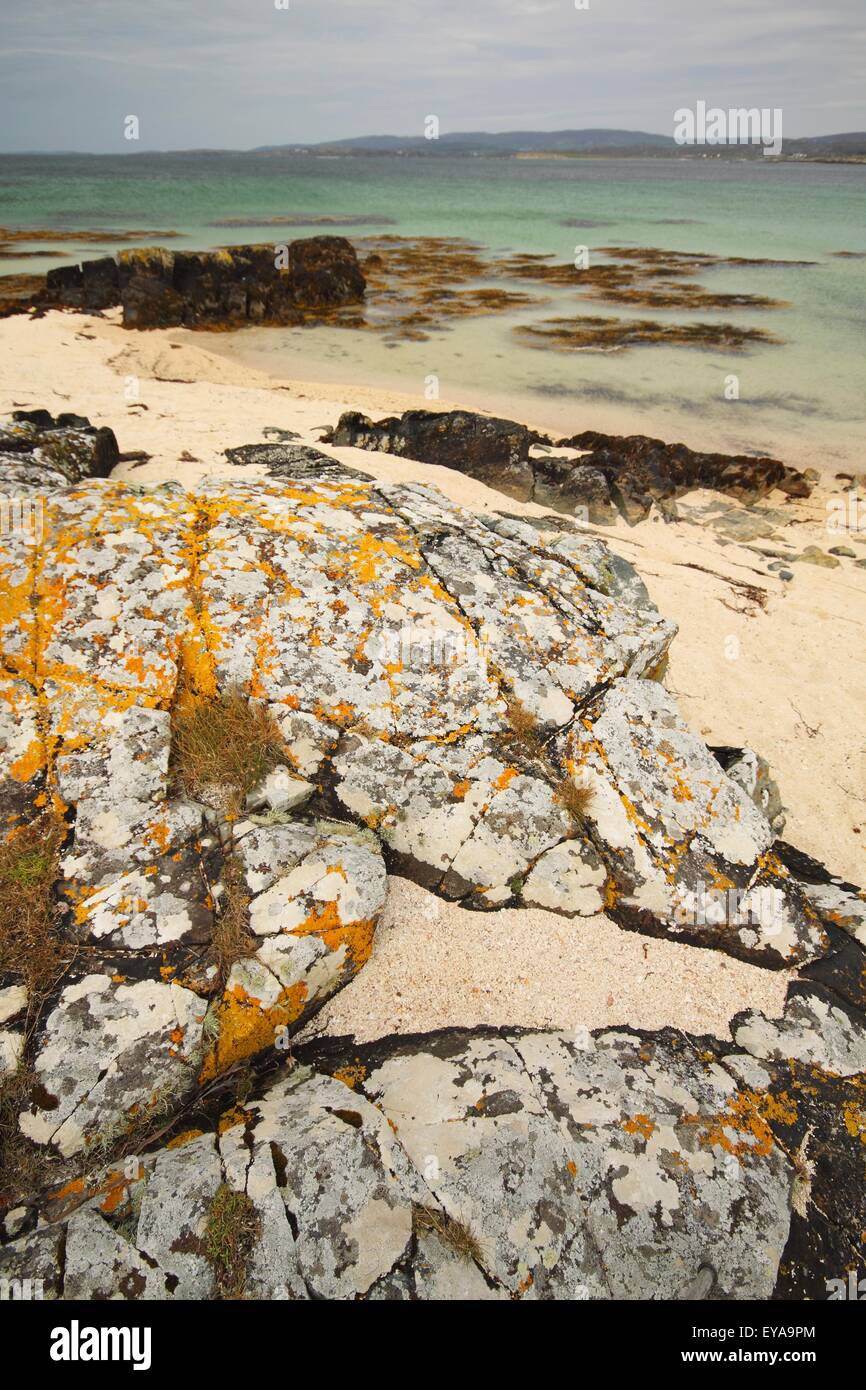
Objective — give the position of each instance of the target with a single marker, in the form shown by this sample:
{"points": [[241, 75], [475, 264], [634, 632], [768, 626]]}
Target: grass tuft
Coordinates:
{"points": [[32, 951], [30, 944], [230, 1235], [224, 745], [576, 797], [455, 1234], [232, 939], [525, 727]]}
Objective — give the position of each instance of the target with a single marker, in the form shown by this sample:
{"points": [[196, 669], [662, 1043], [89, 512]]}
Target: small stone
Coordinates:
{"points": [[814, 555], [14, 1221], [12, 1000]]}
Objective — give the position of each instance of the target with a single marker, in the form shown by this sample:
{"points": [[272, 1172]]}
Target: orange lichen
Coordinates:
{"points": [[745, 1128], [639, 1124], [246, 1027], [351, 1075], [230, 1119], [186, 1137], [325, 922], [855, 1121], [33, 760]]}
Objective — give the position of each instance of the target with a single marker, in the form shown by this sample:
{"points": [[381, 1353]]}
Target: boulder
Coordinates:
{"points": [[565, 486], [640, 470], [752, 772], [494, 451], [39, 452], [472, 701], [491, 1164]]}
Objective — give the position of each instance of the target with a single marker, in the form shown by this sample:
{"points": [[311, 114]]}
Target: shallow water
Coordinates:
{"points": [[802, 400]]}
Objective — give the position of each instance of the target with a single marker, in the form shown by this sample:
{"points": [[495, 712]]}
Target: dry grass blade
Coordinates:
{"points": [[525, 727], [30, 944], [33, 952], [575, 797], [232, 938], [453, 1233]]}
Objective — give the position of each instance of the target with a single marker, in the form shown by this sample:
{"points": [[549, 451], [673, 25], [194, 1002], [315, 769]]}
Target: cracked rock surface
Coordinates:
{"points": [[475, 703], [617, 1165]]}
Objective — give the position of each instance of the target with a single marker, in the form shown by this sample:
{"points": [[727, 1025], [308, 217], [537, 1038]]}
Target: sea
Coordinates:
{"points": [[802, 399]]}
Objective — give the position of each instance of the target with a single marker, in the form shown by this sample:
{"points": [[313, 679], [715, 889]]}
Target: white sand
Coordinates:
{"points": [[789, 679], [435, 965]]}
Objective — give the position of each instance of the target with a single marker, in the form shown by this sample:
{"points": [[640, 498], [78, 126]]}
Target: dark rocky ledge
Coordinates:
{"points": [[158, 288], [615, 473]]}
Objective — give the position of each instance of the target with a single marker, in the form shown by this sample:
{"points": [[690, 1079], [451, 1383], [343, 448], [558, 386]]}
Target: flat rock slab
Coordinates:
{"points": [[481, 1165]]}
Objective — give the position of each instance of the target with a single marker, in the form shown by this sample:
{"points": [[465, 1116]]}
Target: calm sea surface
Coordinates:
{"points": [[803, 400]]}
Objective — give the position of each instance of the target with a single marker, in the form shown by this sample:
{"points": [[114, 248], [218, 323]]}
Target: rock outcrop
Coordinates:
{"points": [[600, 476], [752, 772], [493, 450], [39, 453], [473, 701], [493, 1165], [158, 288], [640, 470]]}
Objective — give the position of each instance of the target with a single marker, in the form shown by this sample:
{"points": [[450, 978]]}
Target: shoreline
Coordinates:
{"points": [[280, 354]]}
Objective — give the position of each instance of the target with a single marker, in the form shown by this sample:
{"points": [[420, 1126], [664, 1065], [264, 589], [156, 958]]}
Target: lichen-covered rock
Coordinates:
{"points": [[13, 1004], [173, 1213], [837, 903], [112, 1051], [315, 895], [33, 1264], [816, 1029], [486, 1165], [687, 848], [473, 701], [747, 767]]}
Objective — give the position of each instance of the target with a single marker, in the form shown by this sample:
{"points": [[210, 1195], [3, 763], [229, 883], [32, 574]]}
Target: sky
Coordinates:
{"points": [[241, 73]]}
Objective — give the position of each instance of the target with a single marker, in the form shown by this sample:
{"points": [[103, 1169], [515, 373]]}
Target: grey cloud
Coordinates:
{"points": [[241, 72]]}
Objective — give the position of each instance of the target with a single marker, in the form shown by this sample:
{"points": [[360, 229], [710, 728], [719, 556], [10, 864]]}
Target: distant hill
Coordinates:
{"points": [[612, 143], [486, 142]]}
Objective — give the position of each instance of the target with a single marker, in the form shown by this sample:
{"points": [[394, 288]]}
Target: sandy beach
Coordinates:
{"points": [[785, 674]]}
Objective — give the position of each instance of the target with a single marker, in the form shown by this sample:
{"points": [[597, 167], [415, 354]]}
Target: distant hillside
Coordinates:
{"points": [[485, 142], [613, 143]]}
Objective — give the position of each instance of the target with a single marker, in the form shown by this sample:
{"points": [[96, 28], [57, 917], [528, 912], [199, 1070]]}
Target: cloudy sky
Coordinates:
{"points": [[241, 73]]}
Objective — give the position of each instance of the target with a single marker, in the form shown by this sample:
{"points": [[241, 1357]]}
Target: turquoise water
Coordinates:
{"points": [[803, 400]]}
